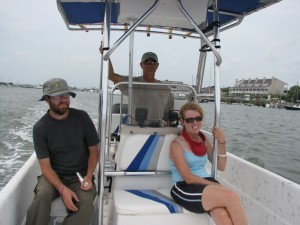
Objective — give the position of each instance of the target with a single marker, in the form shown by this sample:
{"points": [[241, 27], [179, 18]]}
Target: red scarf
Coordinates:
{"points": [[197, 147]]}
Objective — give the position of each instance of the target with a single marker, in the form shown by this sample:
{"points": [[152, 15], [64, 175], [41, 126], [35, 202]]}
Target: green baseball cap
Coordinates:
{"points": [[149, 55], [55, 87]]}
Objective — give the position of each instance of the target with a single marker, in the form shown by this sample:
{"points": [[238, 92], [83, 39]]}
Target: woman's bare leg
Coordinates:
{"points": [[220, 216], [218, 196]]}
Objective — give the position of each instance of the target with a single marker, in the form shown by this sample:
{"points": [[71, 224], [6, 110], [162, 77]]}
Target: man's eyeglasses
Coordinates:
{"points": [[152, 63], [60, 97], [191, 120]]}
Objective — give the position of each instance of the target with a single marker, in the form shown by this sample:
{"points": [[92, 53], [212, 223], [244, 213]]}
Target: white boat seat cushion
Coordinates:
{"points": [[59, 212], [58, 208], [145, 202]]}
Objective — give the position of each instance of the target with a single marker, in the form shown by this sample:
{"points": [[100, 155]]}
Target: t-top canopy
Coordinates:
{"points": [[89, 14]]}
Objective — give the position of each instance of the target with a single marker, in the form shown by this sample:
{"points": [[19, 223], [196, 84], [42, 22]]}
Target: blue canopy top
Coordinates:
{"points": [[89, 14]]}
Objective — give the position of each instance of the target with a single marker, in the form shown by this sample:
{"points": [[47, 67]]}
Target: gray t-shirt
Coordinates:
{"points": [[65, 142]]}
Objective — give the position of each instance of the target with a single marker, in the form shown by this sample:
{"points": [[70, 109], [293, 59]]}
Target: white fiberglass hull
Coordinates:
{"points": [[268, 198]]}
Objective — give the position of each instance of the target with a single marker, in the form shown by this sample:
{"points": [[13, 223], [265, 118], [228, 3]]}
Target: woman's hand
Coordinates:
{"points": [[218, 134]]}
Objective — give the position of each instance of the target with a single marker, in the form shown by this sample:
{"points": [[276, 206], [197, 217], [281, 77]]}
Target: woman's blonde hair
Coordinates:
{"points": [[190, 106]]}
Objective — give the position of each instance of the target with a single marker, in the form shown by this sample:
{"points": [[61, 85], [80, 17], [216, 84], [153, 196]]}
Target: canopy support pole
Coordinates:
{"points": [[103, 103], [132, 28], [130, 72], [201, 68], [193, 23], [217, 90]]}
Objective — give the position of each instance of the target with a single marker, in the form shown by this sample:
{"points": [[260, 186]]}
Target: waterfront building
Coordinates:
{"points": [[257, 86]]}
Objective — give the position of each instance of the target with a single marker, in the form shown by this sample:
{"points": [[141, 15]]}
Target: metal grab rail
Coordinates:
{"points": [[131, 29], [103, 98], [219, 59], [138, 173], [217, 97]]}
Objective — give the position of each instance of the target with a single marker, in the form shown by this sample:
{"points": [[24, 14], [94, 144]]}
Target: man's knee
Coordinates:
{"points": [[87, 198], [44, 191]]}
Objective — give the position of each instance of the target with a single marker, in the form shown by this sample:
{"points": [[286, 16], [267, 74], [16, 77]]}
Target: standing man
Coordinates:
{"points": [[65, 142], [157, 99], [149, 64]]}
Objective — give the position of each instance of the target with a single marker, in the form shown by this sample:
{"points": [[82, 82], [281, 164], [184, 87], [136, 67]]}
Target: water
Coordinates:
{"points": [[267, 137]]}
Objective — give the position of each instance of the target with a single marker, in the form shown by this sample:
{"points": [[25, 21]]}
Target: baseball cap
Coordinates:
{"points": [[149, 55], [55, 87]]}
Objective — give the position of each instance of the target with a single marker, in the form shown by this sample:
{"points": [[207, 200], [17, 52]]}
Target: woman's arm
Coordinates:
{"points": [[222, 156]]}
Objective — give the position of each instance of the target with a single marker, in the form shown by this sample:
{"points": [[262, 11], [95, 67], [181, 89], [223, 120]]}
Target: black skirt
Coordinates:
{"points": [[189, 196]]}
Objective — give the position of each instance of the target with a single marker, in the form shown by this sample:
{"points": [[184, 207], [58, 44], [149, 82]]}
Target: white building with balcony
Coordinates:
{"points": [[259, 87]]}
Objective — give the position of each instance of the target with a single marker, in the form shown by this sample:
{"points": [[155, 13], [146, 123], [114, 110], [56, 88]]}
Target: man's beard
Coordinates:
{"points": [[59, 109]]}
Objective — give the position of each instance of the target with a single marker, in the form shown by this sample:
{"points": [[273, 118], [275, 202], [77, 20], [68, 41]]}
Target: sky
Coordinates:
{"points": [[35, 46]]}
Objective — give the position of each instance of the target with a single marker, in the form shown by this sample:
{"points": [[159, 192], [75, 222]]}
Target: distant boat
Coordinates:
{"points": [[293, 107], [117, 92], [38, 86], [203, 101]]}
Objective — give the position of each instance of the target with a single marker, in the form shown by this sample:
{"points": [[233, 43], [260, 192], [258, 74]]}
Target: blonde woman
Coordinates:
{"points": [[193, 188]]}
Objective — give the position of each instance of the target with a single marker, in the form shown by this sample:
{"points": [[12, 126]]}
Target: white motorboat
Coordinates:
{"points": [[293, 107], [133, 177]]}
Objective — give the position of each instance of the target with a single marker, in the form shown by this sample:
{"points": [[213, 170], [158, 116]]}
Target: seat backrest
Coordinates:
{"points": [[115, 122], [145, 149]]}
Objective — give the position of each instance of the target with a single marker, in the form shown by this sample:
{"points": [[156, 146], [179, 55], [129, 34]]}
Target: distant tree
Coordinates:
{"points": [[293, 94], [225, 90]]}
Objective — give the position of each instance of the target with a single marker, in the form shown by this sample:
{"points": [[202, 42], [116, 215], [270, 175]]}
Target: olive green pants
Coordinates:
{"points": [[39, 210]]}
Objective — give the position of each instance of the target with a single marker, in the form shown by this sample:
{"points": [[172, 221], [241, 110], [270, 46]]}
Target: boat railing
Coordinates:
{"points": [[148, 173], [173, 87]]}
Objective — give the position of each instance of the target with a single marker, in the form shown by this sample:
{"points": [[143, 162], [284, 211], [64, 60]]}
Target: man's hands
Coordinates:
{"points": [[89, 182], [70, 199]]}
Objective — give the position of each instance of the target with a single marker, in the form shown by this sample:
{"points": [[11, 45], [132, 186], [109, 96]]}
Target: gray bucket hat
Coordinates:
{"points": [[149, 55], [55, 87]]}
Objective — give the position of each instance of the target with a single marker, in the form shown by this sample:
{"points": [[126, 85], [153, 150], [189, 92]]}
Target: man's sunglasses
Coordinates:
{"points": [[152, 63], [191, 120]]}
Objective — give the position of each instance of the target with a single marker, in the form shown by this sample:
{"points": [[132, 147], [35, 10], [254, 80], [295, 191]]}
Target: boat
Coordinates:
{"points": [[139, 193], [293, 107], [296, 105]]}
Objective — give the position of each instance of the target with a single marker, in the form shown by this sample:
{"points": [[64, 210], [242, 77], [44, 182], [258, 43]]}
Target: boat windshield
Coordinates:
{"points": [[152, 104]]}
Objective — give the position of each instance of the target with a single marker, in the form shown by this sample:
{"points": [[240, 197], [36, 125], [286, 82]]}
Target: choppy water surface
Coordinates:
{"points": [[267, 137]]}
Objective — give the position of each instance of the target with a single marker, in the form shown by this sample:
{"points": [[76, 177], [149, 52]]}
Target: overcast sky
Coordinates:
{"points": [[35, 45]]}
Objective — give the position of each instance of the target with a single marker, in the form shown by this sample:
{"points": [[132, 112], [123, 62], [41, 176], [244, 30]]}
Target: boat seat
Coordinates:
{"points": [[144, 189], [145, 152], [145, 202], [59, 212], [115, 122]]}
